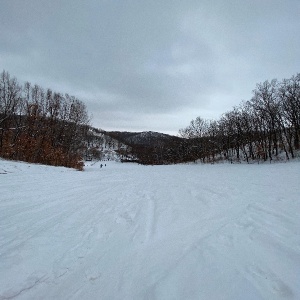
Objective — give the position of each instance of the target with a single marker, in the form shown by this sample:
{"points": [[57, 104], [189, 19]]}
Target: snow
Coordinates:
{"points": [[126, 231]]}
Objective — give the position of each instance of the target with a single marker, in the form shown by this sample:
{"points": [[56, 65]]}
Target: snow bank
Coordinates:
{"points": [[126, 231]]}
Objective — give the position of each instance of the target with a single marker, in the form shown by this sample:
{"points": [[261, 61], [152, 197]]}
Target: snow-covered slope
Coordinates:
{"points": [[127, 231], [146, 138], [103, 147]]}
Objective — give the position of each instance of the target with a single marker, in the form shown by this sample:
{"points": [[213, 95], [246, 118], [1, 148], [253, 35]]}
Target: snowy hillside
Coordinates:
{"points": [[103, 147], [146, 138], [127, 231]]}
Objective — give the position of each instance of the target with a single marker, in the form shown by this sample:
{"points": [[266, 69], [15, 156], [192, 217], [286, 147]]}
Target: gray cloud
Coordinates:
{"points": [[150, 65]]}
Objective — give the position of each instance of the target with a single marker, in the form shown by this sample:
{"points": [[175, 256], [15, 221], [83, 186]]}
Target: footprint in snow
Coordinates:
{"points": [[269, 280], [92, 274]]}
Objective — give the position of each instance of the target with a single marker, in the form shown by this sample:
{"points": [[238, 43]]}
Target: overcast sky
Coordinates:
{"points": [[151, 64]]}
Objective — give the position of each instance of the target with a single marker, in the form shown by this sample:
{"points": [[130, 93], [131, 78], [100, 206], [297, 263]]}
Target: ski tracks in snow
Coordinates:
{"points": [[150, 219], [164, 232]]}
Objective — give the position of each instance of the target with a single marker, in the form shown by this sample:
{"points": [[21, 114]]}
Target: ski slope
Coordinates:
{"points": [[127, 231]]}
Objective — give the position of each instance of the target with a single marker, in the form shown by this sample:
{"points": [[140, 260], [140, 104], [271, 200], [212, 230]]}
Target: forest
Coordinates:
{"points": [[264, 128], [42, 126], [259, 129]]}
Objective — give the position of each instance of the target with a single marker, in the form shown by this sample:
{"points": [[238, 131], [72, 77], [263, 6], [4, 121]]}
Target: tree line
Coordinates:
{"points": [[259, 129], [41, 126], [267, 127]]}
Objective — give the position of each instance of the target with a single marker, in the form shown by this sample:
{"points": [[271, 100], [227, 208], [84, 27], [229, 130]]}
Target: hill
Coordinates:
{"points": [[126, 231], [144, 138]]}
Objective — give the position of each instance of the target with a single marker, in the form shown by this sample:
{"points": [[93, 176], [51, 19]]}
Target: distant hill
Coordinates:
{"points": [[150, 147], [144, 138]]}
